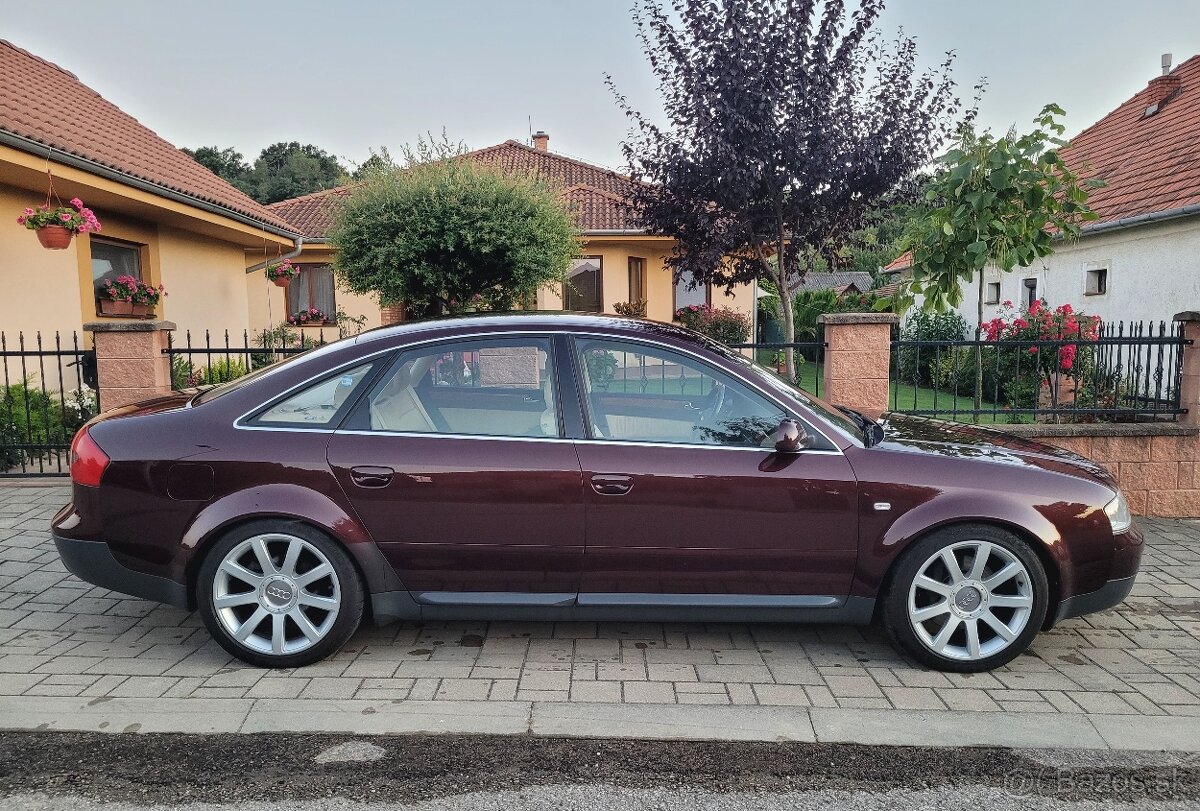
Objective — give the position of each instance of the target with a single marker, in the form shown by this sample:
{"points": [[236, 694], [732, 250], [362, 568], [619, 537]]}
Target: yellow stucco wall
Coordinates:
{"points": [[205, 281], [268, 303]]}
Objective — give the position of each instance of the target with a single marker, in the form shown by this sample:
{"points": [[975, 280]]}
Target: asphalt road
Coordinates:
{"points": [[81, 772]]}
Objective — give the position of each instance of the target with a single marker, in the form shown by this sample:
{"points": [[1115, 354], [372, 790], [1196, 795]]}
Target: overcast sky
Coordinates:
{"points": [[355, 74]]}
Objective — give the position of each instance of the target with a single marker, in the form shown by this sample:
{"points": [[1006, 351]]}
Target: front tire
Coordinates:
{"points": [[279, 594], [966, 599]]}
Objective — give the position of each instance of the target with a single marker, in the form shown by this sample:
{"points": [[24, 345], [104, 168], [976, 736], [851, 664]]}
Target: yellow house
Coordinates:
{"points": [[620, 262], [164, 218]]}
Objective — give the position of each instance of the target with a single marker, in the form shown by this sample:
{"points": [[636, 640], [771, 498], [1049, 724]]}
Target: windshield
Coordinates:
{"points": [[830, 414]]}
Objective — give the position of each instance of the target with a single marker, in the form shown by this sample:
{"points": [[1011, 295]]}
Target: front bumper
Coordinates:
{"points": [[93, 562], [1111, 593]]}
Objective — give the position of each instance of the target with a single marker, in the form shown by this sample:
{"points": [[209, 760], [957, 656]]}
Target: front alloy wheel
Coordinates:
{"points": [[967, 599], [279, 595]]}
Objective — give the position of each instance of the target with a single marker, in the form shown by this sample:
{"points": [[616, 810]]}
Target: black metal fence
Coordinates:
{"points": [[44, 401], [1128, 373], [218, 358], [809, 355]]}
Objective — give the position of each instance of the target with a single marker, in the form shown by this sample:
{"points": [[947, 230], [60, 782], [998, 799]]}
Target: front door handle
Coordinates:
{"points": [[611, 485], [371, 476]]}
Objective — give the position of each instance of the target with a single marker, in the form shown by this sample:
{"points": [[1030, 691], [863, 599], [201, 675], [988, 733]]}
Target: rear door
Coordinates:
{"points": [[457, 465]]}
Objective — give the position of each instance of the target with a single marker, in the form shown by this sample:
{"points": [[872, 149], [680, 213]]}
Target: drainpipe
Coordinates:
{"points": [[292, 254]]}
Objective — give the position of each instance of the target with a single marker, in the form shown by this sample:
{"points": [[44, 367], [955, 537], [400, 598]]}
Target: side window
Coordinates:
{"points": [[317, 405], [639, 393], [495, 387]]}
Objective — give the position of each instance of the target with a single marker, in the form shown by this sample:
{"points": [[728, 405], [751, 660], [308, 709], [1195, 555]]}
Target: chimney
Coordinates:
{"points": [[1161, 89], [541, 141]]}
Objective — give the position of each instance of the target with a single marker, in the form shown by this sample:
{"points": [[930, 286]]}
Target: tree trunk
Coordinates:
{"points": [[979, 349], [786, 307]]}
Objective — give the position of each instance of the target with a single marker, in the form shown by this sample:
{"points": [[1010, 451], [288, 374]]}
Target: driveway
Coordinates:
{"points": [[77, 657]]}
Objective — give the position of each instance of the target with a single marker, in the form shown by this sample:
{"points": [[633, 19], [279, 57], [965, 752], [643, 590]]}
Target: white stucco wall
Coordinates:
{"points": [[1153, 273]]}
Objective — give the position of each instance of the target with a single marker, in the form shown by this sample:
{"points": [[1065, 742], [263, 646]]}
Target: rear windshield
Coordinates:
{"points": [[214, 392]]}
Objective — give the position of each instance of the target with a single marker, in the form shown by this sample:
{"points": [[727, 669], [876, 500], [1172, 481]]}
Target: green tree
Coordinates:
{"points": [[286, 170], [998, 201], [226, 163], [380, 161], [446, 234]]}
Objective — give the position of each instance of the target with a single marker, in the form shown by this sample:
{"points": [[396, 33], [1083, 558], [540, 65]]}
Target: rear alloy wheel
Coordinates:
{"points": [[279, 594], [967, 599]]}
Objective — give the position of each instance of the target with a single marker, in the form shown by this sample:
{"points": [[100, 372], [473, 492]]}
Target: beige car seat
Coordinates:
{"points": [[397, 407]]}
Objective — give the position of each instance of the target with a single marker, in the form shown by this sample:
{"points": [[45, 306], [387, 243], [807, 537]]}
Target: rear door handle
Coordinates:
{"points": [[611, 485], [371, 476]]}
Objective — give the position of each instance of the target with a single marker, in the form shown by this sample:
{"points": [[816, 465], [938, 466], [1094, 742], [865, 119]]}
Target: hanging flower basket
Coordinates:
{"points": [[282, 272], [56, 226], [54, 237]]}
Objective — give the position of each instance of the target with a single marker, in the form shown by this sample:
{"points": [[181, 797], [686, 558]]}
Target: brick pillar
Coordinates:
{"points": [[858, 351], [130, 362], [1189, 384], [391, 315]]}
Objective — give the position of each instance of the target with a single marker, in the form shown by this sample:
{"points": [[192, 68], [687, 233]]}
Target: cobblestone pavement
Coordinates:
{"points": [[62, 637]]}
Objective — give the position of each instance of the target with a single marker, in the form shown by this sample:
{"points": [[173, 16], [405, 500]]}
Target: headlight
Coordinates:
{"points": [[1117, 511]]}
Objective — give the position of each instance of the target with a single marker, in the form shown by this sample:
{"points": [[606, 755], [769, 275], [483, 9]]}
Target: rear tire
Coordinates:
{"points": [[279, 594], [966, 599]]}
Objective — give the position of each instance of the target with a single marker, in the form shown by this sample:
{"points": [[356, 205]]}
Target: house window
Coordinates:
{"points": [[1096, 282], [312, 288], [637, 279], [111, 259], [1030, 292], [993, 293], [687, 294], [582, 292]]}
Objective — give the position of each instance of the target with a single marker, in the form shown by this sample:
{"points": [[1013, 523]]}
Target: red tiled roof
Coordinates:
{"points": [[1150, 164], [901, 262], [44, 103], [598, 193]]}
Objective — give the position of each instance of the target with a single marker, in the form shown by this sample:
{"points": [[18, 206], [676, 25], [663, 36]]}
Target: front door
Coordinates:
{"points": [[456, 464], [687, 498]]}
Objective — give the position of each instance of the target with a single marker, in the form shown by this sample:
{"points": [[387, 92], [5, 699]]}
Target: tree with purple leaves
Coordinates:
{"points": [[785, 123]]}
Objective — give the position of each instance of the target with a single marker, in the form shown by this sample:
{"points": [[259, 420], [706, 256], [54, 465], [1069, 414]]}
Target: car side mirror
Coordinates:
{"points": [[790, 437]]}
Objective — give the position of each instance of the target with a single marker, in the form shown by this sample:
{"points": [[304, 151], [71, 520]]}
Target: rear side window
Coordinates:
{"points": [[318, 405]]}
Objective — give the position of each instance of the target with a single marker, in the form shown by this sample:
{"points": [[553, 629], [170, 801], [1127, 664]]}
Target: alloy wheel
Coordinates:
{"points": [[276, 594], [970, 600]]}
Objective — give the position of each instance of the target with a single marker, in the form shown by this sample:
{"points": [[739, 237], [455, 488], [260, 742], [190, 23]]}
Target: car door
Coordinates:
{"points": [[686, 495], [457, 465]]}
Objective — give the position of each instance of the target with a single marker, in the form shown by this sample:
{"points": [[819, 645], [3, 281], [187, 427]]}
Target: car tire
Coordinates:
{"points": [[972, 617], [279, 594]]}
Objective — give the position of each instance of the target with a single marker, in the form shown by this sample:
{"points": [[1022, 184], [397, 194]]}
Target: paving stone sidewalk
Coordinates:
{"points": [[60, 637]]}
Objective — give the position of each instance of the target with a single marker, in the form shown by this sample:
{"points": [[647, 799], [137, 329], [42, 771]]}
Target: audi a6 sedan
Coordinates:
{"points": [[576, 467]]}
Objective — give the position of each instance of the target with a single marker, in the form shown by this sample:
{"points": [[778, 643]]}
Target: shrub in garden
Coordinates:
{"points": [[29, 415], [916, 363], [631, 309], [723, 324]]}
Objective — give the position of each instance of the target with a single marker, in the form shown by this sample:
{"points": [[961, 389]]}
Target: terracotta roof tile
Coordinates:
{"points": [[597, 193], [77, 120]]}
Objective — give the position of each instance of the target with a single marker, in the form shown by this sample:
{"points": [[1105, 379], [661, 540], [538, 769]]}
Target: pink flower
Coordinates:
{"points": [[75, 201], [65, 217], [20, 220], [27, 212]]}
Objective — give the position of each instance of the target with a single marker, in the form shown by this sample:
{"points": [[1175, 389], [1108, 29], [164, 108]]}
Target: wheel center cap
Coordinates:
{"points": [[278, 594], [968, 599]]}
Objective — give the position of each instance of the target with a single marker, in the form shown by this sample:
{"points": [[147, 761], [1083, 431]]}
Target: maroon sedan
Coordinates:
{"points": [[569, 467]]}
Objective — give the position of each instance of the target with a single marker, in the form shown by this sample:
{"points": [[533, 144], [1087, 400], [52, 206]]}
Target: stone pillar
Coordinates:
{"points": [[130, 362], [1189, 383], [858, 352]]}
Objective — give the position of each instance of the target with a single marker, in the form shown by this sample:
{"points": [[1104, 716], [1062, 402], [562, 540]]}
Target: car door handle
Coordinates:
{"points": [[611, 485], [371, 476]]}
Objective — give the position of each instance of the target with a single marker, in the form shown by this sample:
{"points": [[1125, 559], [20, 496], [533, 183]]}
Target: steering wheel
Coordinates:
{"points": [[716, 399]]}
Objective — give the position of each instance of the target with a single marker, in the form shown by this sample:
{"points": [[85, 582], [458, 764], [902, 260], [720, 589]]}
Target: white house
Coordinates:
{"points": [[1140, 261]]}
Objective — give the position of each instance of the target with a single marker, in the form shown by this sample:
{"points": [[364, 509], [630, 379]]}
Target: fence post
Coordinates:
{"points": [[1189, 379], [130, 362], [858, 352]]}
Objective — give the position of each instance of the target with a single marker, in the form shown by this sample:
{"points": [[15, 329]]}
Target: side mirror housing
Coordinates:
{"points": [[790, 437]]}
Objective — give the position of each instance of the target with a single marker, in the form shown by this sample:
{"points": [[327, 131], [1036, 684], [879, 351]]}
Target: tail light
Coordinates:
{"points": [[88, 461]]}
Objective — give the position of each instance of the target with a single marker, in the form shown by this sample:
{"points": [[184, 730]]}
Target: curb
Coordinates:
{"points": [[583, 720]]}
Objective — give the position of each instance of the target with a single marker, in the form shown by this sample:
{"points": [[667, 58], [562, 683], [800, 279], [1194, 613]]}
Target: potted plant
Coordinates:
{"points": [[312, 317], [118, 296], [145, 299], [282, 272], [56, 226], [779, 361]]}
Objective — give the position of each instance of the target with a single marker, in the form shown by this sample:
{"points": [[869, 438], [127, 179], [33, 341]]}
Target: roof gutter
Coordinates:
{"points": [[619, 232], [1140, 219], [292, 254], [94, 167]]}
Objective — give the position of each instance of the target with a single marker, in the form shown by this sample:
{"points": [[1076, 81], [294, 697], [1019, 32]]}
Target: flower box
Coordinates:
{"points": [[111, 307]]}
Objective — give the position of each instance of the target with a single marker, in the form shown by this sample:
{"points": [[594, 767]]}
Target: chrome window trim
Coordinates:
{"points": [[787, 409]]}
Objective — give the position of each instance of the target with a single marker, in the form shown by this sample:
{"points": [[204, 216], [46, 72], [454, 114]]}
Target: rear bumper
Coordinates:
{"points": [[93, 562], [1111, 593]]}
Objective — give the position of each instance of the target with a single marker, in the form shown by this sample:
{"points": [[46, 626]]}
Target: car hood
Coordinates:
{"points": [[922, 435]]}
